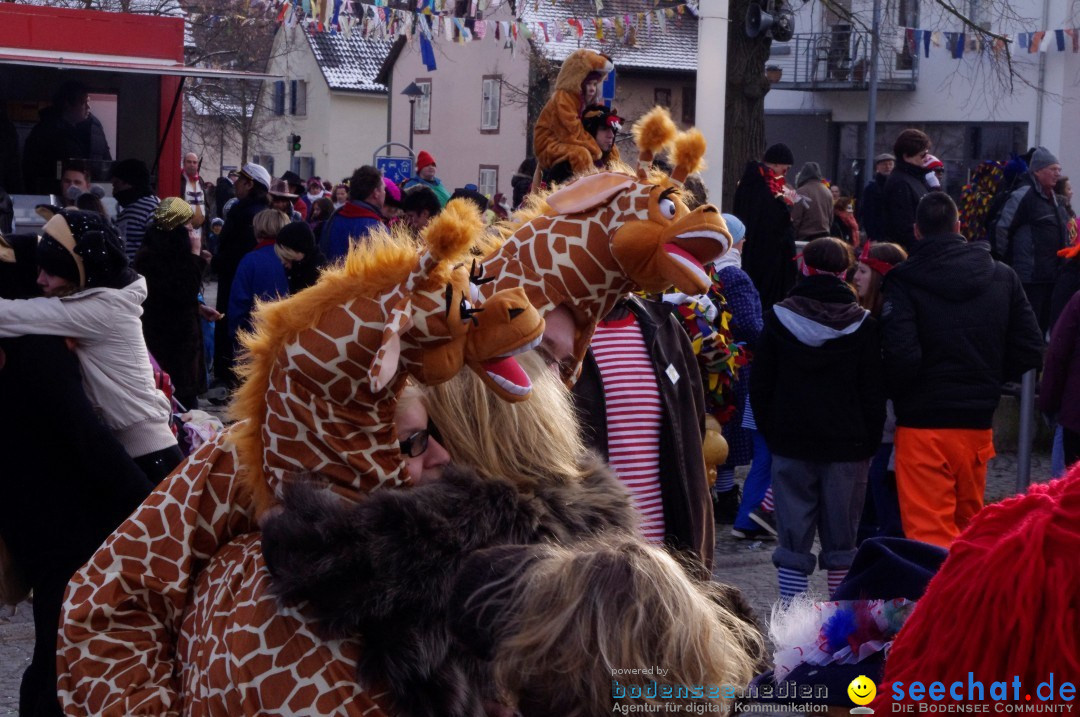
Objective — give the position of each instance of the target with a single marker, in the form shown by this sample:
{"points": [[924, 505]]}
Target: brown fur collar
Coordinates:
{"points": [[382, 570]]}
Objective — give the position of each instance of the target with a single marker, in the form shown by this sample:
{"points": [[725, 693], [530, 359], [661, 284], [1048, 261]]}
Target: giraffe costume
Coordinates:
{"points": [[604, 235], [173, 614]]}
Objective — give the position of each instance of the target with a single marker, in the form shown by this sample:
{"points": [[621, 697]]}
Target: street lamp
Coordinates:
{"points": [[412, 92]]}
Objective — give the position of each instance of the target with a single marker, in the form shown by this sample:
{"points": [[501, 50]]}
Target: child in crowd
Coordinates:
{"points": [[881, 514], [817, 399], [92, 297], [745, 306]]}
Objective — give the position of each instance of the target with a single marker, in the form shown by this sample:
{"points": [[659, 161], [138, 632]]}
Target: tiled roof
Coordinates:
{"points": [[675, 49], [350, 63]]}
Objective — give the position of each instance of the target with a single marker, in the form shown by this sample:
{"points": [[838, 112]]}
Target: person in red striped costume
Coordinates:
{"points": [[642, 407]]}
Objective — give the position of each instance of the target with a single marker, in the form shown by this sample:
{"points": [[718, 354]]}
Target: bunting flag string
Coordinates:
{"points": [[376, 20], [920, 41]]}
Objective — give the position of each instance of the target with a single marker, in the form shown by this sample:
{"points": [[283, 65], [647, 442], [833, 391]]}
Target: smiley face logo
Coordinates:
{"points": [[862, 690]]}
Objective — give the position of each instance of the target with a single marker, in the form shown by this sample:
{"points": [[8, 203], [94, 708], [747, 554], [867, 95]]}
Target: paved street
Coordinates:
{"points": [[742, 563]]}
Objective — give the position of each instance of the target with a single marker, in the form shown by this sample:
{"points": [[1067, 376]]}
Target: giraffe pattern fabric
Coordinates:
{"points": [[602, 236], [173, 614]]}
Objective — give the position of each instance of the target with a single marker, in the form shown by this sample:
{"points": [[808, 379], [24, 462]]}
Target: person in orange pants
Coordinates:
{"points": [[955, 325], [940, 486]]}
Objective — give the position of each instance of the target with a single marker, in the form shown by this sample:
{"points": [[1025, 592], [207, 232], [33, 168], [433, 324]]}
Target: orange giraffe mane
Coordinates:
{"points": [[385, 261]]}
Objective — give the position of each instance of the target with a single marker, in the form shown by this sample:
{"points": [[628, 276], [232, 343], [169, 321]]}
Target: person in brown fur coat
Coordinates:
{"points": [[559, 133]]}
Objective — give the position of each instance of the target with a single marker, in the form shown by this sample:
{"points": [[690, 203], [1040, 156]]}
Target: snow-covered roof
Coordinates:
{"points": [[350, 63], [674, 49]]}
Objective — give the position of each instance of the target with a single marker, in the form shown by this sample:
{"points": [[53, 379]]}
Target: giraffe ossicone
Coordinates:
{"points": [[604, 234], [323, 369]]}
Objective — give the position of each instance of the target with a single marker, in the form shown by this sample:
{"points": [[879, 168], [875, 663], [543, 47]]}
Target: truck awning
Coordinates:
{"points": [[120, 63]]}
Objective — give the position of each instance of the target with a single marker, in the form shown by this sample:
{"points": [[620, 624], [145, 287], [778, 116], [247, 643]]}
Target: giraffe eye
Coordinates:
{"points": [[667, 208]]}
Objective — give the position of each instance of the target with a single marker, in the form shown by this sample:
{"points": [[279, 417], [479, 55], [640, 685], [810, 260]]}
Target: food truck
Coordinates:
{"points": [[133, 69]]}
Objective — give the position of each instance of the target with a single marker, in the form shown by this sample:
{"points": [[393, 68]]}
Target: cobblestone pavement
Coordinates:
{"points": [[745, 564]]}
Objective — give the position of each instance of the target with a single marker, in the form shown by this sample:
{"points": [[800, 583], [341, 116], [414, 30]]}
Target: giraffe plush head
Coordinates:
{"points": [[323, 368]]}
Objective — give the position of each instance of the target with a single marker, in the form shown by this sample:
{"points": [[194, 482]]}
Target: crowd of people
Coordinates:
{"points": [[549, 516]]}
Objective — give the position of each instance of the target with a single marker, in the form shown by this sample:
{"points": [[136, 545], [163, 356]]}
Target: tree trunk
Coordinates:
{"points": [[744, 114]]}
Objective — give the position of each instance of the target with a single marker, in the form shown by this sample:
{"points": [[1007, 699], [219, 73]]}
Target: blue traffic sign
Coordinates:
{"points": [[396, 169]]}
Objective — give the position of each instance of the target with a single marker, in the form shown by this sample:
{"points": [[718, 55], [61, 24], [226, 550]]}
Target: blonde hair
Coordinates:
{"points": [[534, 441], [581, 617], [268, 223]]}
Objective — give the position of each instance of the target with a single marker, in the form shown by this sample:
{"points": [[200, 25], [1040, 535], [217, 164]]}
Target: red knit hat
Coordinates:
{"points": [[1004, 604], [423, 160]]}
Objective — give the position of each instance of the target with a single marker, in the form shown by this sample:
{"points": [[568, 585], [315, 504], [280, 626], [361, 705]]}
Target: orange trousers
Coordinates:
{"points": [[941, 477]]}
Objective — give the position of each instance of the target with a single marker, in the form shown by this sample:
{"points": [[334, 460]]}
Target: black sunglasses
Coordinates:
{"points": [[416, 444]]}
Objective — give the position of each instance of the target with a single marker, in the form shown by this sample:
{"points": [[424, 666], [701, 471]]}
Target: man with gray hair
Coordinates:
{"points": [[1031, 229]]}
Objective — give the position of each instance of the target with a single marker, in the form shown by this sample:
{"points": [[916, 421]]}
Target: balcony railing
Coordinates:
{"points": [[838, 60]]}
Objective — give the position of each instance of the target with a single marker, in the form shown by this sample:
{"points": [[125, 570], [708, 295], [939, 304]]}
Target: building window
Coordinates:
{"points": [[279, 97], [489, 111], [689, 104], [662, 97], [907, 14], [422, 118], [266, 161], [298, 98], [304, 166], [488, 183]]}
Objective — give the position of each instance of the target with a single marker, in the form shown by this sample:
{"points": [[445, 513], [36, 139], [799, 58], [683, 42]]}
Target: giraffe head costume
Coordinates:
{"points": [[323, 369], [603, 235]]}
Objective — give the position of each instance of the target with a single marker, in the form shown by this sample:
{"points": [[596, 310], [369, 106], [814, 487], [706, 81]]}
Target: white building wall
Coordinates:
{"points": [[339, 131], [455, 138], [964, 90]]}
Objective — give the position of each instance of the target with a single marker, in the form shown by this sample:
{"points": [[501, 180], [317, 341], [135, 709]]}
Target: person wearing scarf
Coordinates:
{"points": [[763, 202]]}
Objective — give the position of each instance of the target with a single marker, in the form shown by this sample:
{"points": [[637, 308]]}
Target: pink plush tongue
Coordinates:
{"points": [[510, 371], [683, 254]]}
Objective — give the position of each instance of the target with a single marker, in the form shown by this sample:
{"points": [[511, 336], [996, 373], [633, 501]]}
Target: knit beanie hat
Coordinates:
{"points": [[298, 237], [56, 252], [779, 153], [1041, 159], [1004, 604], [134, 172], [735, 227], [423, 160], [88, 242]]}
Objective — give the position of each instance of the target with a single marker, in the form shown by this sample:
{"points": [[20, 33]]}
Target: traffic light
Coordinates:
{"points": [[294, 143]]}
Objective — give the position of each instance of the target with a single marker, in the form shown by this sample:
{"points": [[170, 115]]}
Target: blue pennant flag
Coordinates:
{"points": [[427, 53]]}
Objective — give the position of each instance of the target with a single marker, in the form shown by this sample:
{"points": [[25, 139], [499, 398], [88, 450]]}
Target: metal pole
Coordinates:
{"points": [[1027, 425], [412, 115], [1040, 90], [871, 100]]}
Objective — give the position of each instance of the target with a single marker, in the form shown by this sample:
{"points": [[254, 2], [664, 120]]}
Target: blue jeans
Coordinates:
{"points": [[757, 482]]}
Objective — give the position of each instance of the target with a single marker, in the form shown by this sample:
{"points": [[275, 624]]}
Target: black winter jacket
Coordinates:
{"points": [[237, 239], [769, 251], [1029, 232], [816, 385], [955, 325], [684, 489], [871, 208], [904, 188]]}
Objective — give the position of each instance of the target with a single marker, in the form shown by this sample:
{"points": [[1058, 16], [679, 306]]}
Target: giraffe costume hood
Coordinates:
{"points": [[606, 234], [323, 369], [174, 615]]}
